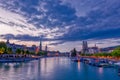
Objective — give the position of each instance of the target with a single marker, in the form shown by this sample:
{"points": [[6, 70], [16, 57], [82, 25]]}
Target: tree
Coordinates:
{"points": [[116, 52], [22, 51], [27, 52], [9, 50], [73, 52], [18, 51], [2, 50], [3, 45], [42, 53], [32, 53]]}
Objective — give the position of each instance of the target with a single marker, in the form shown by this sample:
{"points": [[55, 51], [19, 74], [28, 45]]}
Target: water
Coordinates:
{"points": [[55, 68]]}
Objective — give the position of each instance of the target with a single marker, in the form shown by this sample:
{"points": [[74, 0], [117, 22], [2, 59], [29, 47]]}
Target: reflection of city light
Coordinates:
{"points": [[78, 65], [100, 70]]}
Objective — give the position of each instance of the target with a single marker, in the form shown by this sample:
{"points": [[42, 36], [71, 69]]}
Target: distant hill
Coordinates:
{"points": [[109, 48]]}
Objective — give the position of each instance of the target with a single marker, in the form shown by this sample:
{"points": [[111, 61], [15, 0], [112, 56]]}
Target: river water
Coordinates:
{"points": [[55, 68]]}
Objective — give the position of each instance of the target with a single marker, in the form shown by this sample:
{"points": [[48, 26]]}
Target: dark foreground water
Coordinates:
{"points": [[55, 68]]}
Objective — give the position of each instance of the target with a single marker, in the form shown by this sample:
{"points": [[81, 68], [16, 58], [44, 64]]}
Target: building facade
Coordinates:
{"points": [[85, 47]]}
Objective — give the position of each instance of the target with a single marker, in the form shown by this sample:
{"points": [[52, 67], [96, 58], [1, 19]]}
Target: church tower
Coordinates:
{"points": [[85, 47], [40, 46], [46, 48], [7, 41]]}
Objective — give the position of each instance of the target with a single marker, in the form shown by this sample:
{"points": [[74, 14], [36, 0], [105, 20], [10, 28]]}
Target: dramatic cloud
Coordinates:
{"points": [[102, 21], [61, 21]]}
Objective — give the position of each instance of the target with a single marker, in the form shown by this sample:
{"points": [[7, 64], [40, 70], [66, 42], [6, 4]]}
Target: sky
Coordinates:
{"points": [[62, 24]]}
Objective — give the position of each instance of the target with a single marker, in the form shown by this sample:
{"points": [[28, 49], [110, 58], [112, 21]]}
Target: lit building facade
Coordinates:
{"points": [[85, 47], [40, 46], [22, 47]]}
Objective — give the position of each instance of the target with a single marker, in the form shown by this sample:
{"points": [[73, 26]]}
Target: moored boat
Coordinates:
{"points": [[119, 71]]}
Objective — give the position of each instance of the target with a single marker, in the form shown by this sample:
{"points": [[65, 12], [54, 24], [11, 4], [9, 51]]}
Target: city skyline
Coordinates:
{"points": [[63, 24]]}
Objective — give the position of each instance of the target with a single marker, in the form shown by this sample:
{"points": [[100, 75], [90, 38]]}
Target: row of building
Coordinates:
{"points": [[33, 48], [89, 50], [95, 49]]}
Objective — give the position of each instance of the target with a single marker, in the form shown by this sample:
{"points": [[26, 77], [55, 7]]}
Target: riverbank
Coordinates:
{"points": [[97, 61], [10, 58], [99, 57], [55, 68]]}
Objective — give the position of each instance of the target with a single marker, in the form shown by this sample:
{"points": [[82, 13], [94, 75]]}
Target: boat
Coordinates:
{"points": [[119, 71], [12, 60], [101, 63], [92, 62], [104, 65], [117, 63], [76, 59]]}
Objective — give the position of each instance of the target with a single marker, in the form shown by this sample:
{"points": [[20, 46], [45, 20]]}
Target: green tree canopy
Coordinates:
{"points": [[27, 52], [3, 45], [42, 53], [2, 50], [18, 51], [9, 50], [116, 52]]}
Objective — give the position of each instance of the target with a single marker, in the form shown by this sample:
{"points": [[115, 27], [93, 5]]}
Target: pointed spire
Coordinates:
{"points": [[95, 44], [7, 41], [40, 46], [46, 48]]}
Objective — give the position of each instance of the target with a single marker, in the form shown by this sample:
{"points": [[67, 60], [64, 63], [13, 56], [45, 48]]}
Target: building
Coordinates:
{"points": [[46, 48], [85, 47], [53, 53], [93, 50], [22, 47], [40, 46], [89, 50], [14, 46]]}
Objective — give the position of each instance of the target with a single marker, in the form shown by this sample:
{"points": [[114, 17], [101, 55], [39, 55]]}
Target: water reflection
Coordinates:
{"points": [[100, 70], [38, 71], [6, 67], [1, 65], [79, 66], [55, 68]]}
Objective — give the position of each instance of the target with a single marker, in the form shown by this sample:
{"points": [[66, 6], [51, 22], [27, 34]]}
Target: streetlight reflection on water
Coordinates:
{"points": [[79, 66], [55, 68], [100, 70]]}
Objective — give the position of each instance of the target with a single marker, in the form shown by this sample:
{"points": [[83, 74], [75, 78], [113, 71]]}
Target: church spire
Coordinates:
{"points": [[40, 47], [95, 45], [46, 48], [7, 41]]}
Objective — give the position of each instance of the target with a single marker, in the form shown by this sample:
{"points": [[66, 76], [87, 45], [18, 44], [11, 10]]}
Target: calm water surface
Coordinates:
{"points": [[55, 68]]}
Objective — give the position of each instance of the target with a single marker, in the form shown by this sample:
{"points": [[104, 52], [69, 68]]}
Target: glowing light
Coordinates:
{"points": [[100, 70], [79, 66]]}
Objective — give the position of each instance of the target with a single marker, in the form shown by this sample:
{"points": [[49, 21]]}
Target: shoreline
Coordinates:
{"points": [[108, 58], [11, 58]]}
